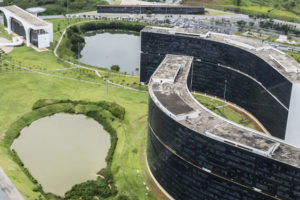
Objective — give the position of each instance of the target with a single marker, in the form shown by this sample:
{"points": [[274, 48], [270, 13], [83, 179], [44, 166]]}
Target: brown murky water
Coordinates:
{"points": [[63, 150]]}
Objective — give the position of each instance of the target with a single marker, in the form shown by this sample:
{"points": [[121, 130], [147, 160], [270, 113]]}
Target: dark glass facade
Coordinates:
{"points": [[34, 37], [178, 155], [208, 77], [4, 20], [17, 27]]}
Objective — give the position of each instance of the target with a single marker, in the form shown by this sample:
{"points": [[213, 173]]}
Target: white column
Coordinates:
{"points": [[8, 18], [292, 134], [50, 31], [27, 33]]}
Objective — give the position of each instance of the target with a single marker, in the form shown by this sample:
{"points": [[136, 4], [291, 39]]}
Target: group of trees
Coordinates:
{"points": [[115, 68], [93, 26], [285, 28], [76, 40], [58, 6], [75, 34]]}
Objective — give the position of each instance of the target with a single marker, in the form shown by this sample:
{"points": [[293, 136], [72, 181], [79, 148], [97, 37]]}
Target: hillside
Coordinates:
{"points": [[55, 7], [288, 10]]}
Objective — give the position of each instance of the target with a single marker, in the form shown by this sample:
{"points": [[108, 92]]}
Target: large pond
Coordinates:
{"points": [[113, 48], [63, 150]]}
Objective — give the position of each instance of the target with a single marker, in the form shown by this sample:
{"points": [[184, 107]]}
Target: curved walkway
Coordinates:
{"points": [[3, 42], [96, 70]]}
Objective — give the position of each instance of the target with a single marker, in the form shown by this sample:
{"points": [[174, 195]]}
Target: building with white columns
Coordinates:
{"points": [[33, 29]]}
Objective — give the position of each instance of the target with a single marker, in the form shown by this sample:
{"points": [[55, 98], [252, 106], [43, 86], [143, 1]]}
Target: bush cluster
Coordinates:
{"points": [[54, 7], [93, 26], [285, 28], [114, 108], [75, 39]]}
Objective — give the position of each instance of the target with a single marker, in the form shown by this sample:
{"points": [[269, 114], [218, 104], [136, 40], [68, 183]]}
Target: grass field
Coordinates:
{"points": [[20, 91], [21, 88], [278, 9], [295, 55]]}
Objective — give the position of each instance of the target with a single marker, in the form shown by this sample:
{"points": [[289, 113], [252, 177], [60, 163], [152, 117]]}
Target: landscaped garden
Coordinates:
{"points": [[28, 76]]}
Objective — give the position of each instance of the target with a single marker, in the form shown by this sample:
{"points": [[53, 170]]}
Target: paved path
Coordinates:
{"points": [[96, 70], [7, 190], [5, 41]]}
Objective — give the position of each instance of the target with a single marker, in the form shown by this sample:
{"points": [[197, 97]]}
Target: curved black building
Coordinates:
{"points": [[195, 154]]}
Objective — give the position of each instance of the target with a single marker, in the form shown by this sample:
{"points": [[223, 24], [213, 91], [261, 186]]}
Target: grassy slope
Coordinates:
{"points": [[54, 7], [19, 92], [217, 107], [295, 55], [280, 9]]}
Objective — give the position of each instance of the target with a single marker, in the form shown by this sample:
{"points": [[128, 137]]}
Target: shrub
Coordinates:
{"points": [[115, 68]]}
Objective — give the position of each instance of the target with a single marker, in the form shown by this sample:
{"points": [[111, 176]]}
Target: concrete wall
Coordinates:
{"points": [[293, 124], [150, 9]]}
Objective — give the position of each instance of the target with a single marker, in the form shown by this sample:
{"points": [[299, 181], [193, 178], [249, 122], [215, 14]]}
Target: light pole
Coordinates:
{"points": [[224, 95], [191, 85]]}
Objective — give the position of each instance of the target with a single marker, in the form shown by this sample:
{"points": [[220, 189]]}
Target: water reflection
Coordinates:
{"points": [[105, 49]]}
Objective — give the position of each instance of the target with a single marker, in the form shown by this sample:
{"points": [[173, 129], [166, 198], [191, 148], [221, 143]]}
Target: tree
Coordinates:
{"points": [[115, 68], [238, 2], [148, 12]]}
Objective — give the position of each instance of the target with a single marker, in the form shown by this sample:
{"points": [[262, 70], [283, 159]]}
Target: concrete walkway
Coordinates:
{"points": [[6, 49], [7, 190]]}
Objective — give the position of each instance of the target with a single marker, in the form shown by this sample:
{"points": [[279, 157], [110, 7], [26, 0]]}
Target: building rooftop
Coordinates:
{"points": [[175, 99], [161, 6], [279, 60], [28, 17]]}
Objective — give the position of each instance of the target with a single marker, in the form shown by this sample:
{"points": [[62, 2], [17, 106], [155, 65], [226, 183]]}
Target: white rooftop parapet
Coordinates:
{"points": [[288, 66], [241, 44], [267, 153], [193, 34]]}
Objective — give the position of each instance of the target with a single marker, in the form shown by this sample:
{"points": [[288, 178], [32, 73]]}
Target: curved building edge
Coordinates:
{"points": [[173, 114]]}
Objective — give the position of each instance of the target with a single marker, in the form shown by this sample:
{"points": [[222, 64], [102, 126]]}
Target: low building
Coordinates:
{"points": [[151, 9], [33, 29]]}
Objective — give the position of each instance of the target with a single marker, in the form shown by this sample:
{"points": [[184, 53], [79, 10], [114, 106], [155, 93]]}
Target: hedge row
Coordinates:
{"points": [[115, 109], [121, 25]]}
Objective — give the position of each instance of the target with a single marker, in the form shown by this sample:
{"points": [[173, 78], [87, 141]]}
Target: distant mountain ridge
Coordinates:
{"points": [[288, 10], [55, 7]]}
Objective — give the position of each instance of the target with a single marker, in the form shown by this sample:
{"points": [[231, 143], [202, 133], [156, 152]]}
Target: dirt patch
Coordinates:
{"points": [[150, 182], [252, 123], [204, 3]]}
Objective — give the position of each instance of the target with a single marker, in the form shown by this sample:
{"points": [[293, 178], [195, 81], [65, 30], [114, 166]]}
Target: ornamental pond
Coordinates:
{"points": [[63, 150], [104, 49]]}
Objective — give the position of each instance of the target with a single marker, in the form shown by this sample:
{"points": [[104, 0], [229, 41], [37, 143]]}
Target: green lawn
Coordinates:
{"points": [[4, 34], [21, 88], [295, 55], [221, 109], [19, 92], [55, 7], [216, 13], [278, 9]]}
